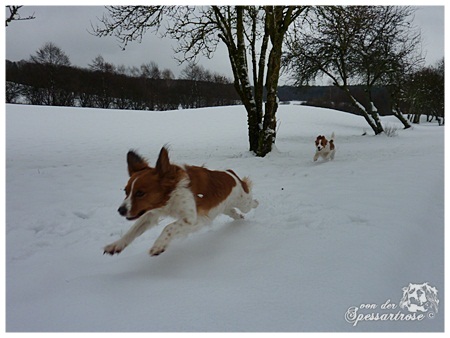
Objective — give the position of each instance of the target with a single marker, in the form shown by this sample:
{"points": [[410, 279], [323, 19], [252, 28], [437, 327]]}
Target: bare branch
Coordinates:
{"points": [[130, 23], [15, 16]]}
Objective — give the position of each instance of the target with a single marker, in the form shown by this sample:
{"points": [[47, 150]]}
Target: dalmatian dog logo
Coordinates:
{"points": [[420, 298]]}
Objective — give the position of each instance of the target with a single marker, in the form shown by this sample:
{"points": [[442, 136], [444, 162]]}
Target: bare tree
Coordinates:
{"points": [[52, 62], [13, 15], [167, 74], [50, 54], [386, 53], [195, 72], [254, 33], [151, 70], [99, 64], [364, 45], [103, 93], [12, 92], [425, 93]]}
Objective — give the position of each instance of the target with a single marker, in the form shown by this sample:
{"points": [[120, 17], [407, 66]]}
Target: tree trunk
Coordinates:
{"points": [[375, 116], [276, 25], [268, 135], [261, 122], [399, 115], [376, 127], [373, 111]]}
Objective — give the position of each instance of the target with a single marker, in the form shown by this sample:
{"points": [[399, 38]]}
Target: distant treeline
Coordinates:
{"points": [[56, 85], [60, 85], [334, 98]]}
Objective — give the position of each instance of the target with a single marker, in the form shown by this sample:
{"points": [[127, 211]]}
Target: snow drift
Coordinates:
{"points": [[327, 236]]}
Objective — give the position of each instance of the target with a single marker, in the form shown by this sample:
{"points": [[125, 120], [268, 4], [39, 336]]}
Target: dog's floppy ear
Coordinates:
{"points": [[135, 162], [163, 163]]}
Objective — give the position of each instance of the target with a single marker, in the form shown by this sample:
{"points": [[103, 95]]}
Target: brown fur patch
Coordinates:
{"points": [[210, 187], [135, 162], [331, 145]]}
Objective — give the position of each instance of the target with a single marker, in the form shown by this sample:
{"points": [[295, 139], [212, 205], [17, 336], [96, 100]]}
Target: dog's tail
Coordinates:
{"points": [[246, 181], [332, 146], [247, 184]]}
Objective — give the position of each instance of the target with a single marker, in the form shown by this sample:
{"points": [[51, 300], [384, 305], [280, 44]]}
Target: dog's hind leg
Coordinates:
{"points": [[332, 155], [176, 229], [233, 213]]}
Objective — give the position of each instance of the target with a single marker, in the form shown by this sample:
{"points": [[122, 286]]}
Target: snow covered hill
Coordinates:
{"points": [[327, 238]]}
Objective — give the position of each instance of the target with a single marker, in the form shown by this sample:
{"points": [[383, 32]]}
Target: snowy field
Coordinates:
{"points": [[327, 238]]}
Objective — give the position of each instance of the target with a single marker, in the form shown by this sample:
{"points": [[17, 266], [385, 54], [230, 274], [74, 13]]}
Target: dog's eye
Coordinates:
{"points": [[139, 193]]}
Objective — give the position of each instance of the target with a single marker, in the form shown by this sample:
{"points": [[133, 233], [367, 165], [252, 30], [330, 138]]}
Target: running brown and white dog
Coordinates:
{"points": [[192, 195], [325, 148]]}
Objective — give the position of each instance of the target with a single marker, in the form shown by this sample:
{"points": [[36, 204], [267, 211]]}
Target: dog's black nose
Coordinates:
{"points": [[122, 210]]}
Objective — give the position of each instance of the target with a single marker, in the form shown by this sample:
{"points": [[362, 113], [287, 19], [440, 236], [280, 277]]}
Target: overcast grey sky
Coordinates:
{"points": [[68, 27]]}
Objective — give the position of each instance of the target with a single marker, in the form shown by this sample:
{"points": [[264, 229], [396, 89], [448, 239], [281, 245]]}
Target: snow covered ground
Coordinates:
{"points": [[327, 239]]}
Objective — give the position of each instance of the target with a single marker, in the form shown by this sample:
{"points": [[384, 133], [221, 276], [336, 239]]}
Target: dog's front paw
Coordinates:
{"points": [[114, 248], [157, 250]]}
